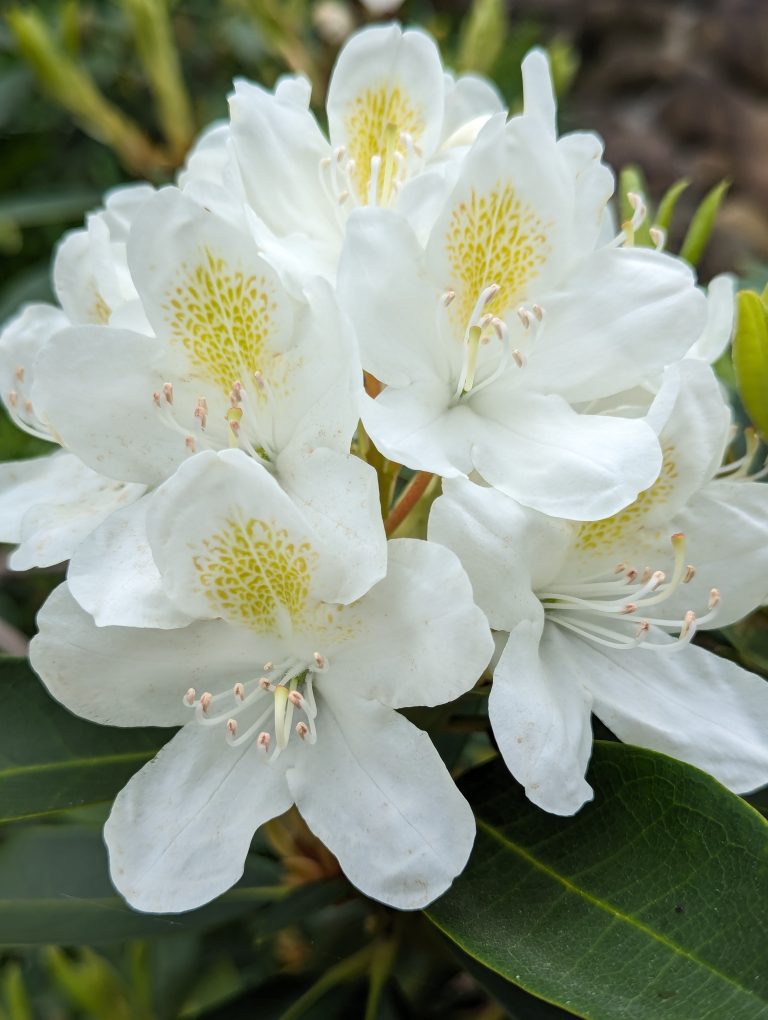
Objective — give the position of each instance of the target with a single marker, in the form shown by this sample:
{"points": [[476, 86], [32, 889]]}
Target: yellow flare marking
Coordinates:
{"points": [[254, 573], [100, 311], [494, 238], [375, 120], [223, 317], [611, 531]]}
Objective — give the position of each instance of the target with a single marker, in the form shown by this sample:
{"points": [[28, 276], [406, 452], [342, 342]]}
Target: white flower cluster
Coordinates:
{"points": [[229, 569]]}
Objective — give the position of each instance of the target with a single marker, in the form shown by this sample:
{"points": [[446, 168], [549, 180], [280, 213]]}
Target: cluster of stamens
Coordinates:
{"points": [[482, 329], [289, 691], [240, 410], [623, 600], [389, 171]]}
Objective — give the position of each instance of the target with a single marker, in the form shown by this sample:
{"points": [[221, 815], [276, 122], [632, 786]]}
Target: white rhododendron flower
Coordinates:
{"points": [[292, 696], [48, 504], [90, 272], [486, 336], [589, 608], [396, 121], [228, 357]]}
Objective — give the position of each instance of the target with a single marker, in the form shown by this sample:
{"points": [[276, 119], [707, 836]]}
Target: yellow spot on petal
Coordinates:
{"points": [[494, 238], [254, 573], [613, 531], [100, 312], [375, 120], [223, 318]]}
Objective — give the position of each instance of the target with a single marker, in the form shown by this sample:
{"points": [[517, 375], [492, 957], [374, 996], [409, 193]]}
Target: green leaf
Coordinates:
{"points": [[482, 35], [55, 888], [702, 223], [665, 212], [651, 902], [51, 760], [750, 357], [35, 210]]}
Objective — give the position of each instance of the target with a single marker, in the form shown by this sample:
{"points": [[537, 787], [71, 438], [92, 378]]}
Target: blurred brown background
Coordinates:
{"points": [[680, 88]]}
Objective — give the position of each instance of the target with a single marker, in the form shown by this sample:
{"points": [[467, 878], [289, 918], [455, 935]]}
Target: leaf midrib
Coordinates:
{"points": [[111, 759], [608, 908]]}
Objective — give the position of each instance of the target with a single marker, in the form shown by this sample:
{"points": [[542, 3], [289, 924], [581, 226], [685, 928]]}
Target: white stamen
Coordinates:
{"points": [[189, 697], [578, 606]]}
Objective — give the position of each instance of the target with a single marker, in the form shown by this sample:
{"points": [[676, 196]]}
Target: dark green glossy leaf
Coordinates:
{"points": [[652, 902], [51, 760], [55, 888]]}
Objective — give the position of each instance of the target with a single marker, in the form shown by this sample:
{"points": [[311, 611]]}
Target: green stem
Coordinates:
{"points": [[381, 966], [345, 970]]}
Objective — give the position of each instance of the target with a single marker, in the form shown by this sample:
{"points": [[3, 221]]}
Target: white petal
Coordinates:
{"points": [[384, 288], [538, 89], [721, 309], [224, 536], [179, 832], [594, 182], [207, 292], [279, 146], [693, 424], [539, 451], [689, 704], [376, 792], [21, 340], [507, 550], [415, 427], [123, 676], [319, 388], [621, 314], [49, 505], [420, 636], [469, 101], [106, 413], [385, 76], [114, 576], [338, 495], [509, 221], [208, 158], [726, 530], [540, 714]]}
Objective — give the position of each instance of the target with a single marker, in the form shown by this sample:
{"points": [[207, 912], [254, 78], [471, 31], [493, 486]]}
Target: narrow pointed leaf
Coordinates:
{"points": [[651, 902], [51, 760], [668, 203], [702, 223]]}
